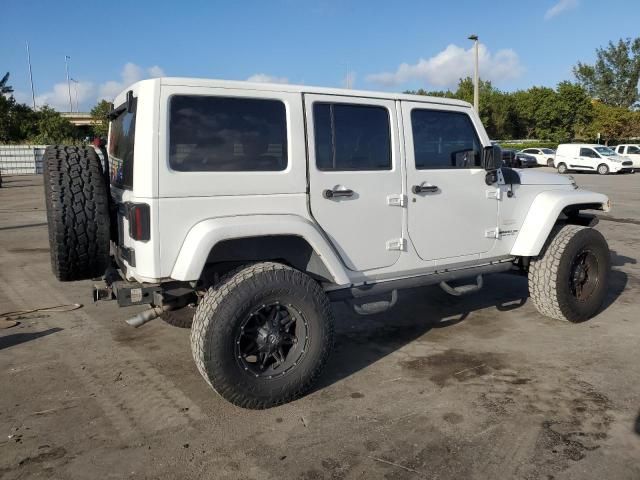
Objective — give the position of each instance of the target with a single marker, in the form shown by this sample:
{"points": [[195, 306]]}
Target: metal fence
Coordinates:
{"points": [[21, 159]]}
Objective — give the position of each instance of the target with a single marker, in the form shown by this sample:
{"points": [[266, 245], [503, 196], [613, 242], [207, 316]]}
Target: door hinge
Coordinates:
{"points": [[397, 244], [397, 200], [497, 194], [492, 233]]}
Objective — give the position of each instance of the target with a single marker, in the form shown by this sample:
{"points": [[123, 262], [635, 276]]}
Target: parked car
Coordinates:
{"points": [[544, 156], [590, 158], [630, 151], [524, 160], [508, 157], [259, 204]]}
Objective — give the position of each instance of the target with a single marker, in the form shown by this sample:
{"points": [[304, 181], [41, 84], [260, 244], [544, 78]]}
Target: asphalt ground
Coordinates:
{"points": [[438, 387]]}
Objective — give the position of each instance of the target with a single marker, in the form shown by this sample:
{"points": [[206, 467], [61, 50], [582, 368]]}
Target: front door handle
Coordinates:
{"points": [[337, 193], [424, 188]]}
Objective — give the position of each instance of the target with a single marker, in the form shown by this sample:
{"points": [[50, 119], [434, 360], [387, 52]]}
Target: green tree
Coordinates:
{"points": [[18, 122], [573, 108], [613, 123], [4, 88], [101, 122], [53, 127], [613, 79]]}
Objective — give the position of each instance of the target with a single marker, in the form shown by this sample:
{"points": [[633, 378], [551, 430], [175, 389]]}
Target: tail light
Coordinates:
{"points": [[138, 215]]}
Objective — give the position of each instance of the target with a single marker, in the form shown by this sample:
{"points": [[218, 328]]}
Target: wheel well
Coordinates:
{"points": [[290, 250], [574, 215]]}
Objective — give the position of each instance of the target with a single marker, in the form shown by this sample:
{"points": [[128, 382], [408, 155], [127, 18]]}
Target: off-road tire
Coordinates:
{"points": [[550, 162], [603, 169], [218, 319], [550, 273], [77, 212], [181, 318], [562, 168]]}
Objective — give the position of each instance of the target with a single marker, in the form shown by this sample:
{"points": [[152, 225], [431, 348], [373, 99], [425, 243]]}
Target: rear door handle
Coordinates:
{"points": [[337, 193], [424, 188]]}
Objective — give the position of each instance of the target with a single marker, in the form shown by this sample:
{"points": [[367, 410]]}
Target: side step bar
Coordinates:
{"points": [[435, 278]]}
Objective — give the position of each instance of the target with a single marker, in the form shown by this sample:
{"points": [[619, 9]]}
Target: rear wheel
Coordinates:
{"points": [[569, 279], [603, 169], [262, 335], [550, 162], [181, 318], [77, 212], [562, 168]]}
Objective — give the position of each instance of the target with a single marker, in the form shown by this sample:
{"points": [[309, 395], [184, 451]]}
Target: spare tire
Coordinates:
{"points": [[77, 212]]}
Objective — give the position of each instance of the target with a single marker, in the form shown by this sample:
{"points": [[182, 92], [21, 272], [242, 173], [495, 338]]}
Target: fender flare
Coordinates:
{"points": [[206, 234], [543, 215]]}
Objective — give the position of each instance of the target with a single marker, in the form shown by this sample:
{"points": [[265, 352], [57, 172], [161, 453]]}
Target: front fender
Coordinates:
{"points": [[543, 214], [206, 234]]}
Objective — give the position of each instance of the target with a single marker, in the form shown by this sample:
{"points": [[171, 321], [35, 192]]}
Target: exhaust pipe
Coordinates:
{"points": [[148, 315]]}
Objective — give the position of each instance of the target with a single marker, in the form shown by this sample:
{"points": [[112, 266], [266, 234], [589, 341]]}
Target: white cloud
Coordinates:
{"points": [[58, 98], [264, 78], [349, 80], [560, 7], [446, 67], [88, 92], [131, 73]]}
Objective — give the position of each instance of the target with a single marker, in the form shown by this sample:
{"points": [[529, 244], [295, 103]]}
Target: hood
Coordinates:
{"points": [[531, 177]]}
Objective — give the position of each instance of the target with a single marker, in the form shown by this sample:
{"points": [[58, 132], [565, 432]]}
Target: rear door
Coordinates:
{"points": [[355, 177], [452, 212]]}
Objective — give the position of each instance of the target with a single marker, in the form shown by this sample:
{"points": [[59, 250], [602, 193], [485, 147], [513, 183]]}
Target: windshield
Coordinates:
{"points": [[121, 141], [547, 151], [604, 151]]}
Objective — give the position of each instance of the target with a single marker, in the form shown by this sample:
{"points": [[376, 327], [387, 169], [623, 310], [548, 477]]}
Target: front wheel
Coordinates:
{"points": [[569, 279], [603, 169], [262, 335], [562, 168]]}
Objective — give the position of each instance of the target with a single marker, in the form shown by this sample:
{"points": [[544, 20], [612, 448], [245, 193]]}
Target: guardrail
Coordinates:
{"points": [[21, 159]]}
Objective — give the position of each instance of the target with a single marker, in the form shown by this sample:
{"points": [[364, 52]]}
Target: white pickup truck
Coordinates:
{"points": [[630, 151]]}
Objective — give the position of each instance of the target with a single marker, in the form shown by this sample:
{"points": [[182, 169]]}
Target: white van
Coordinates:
{"points": [[630, 151], [590, 158]]}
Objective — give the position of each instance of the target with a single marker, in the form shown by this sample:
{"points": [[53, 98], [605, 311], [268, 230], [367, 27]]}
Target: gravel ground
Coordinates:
{"points": [[439, 387]]}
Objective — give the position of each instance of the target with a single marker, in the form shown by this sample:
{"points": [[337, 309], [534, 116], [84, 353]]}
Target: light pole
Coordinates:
{"points": [[75, 85], [66, 64], [33, 93], [476, 77]]}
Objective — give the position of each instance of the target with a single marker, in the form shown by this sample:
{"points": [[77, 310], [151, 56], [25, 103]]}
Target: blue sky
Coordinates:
{"points": [[379, 45]]}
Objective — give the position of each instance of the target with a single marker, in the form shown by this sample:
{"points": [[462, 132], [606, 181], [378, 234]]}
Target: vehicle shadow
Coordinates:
{"points": [[363, 340], [617, 279], [18, 338]]}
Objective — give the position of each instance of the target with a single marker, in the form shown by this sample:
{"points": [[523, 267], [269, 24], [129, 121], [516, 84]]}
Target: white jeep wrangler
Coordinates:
{"points": [[256, 205]]}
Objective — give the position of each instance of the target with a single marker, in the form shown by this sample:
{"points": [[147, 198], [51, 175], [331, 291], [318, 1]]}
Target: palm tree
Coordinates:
{"points": [[4, 88]]}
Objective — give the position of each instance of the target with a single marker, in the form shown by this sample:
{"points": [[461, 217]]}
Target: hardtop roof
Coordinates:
{"points": [[285, 87]]}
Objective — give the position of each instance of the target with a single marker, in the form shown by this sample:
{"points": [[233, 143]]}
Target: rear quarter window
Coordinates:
{"points": [[226, 134], [122, 133]]}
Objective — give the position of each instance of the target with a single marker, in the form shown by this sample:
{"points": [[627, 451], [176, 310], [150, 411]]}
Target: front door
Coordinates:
{"points": [[355, 177], [452, 211]]}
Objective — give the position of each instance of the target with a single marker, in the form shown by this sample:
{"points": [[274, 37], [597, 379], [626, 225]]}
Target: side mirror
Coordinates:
{"points": [[491, 157]]}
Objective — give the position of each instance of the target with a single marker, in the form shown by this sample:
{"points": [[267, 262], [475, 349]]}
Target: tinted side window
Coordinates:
{"points": [[225, 134], [633, 150], [444, 140], [122, 136], [351, 137], [587, 152]]}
